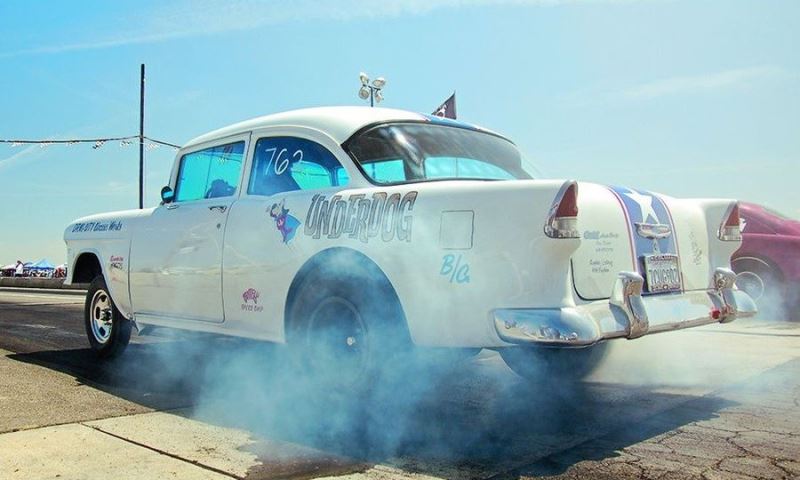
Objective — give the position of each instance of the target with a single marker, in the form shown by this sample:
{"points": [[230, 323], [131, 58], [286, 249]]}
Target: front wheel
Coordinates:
{"points": [[108, 330], [541, 364], [757, 279]]}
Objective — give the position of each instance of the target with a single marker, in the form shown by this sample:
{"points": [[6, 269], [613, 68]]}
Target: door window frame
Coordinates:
{"points": [[217, 142], [356, 178]]}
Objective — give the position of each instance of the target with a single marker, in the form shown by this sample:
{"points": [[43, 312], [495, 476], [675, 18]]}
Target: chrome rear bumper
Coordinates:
{"points": [[625, 314]]}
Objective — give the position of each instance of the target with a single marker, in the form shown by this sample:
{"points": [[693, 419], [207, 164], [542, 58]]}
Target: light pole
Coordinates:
{"points": [[373, 92]]}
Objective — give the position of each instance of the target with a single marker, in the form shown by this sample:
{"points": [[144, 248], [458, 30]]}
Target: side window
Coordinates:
{"points": [[210, 173], [283, 164]]}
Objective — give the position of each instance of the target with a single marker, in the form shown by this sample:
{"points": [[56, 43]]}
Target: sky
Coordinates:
{"points": [[690, 98]]}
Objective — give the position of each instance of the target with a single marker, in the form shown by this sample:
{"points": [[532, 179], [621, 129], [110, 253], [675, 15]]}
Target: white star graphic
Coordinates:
{"points": [[645, 203]]}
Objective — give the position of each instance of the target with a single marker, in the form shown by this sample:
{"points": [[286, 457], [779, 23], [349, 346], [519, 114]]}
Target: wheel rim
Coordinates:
{"points": [[751, 283], [337, 341], [101, 316]]}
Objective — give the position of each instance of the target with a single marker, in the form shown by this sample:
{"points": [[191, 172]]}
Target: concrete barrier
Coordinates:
{"points": [[36, 282]]}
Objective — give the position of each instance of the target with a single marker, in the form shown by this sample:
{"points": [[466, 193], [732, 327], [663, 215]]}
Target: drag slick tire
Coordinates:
{"points": [[343, 334], [108, 330], [542, 364]]}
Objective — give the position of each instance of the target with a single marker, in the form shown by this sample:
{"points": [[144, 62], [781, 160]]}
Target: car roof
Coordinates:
{"points": [[340, 123]]}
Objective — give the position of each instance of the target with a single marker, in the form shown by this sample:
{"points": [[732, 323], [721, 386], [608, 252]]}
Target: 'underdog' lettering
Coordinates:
{"points": [[383, 215]]}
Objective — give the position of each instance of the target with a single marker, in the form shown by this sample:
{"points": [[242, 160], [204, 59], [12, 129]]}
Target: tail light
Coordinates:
{"points": [[729, 230], [563, 219]]}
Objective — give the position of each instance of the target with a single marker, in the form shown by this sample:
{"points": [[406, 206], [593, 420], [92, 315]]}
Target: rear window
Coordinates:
{"points": [[417, 152]]}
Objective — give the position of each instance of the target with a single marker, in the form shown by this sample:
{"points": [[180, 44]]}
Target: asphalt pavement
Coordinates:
{"points": [[722, 401]]}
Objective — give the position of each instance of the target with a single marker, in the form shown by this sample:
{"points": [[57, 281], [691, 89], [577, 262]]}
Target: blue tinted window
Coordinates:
{"points": [[283, 164], [210, 173], [385, 171], [415, 152], [454, 167]]}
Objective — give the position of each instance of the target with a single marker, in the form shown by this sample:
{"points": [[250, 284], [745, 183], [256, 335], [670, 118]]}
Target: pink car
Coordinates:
{"points": [[769, 259]]}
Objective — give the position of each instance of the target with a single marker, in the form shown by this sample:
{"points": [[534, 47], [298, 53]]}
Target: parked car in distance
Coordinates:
{"points": [[353, 232], [768, 262]]}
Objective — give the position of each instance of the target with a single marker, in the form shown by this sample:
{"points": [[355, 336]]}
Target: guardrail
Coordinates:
{"points": [[38, 282]]}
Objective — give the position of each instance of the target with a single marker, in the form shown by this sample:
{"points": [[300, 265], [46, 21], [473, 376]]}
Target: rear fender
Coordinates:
{"points": [[697, 222]]}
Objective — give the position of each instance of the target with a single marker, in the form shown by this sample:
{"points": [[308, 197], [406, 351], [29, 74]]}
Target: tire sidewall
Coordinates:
{"points": [[770, 280], [120, 326], [384, 328]]}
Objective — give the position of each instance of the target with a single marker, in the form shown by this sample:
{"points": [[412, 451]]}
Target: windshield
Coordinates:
{"points": [[415, 152]]}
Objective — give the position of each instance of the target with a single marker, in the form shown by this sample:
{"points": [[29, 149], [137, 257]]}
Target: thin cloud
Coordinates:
{"points": [[212, 17], [706, 83], [701, 83], [19, 156]]}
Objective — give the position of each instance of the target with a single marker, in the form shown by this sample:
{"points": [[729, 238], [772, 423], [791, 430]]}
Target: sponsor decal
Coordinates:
{"points": [[110, 226], [287, 224], [455, 268], [697, 252], [117, 262], [363, 217], [251, 295], [601, 266], [603, 241]]}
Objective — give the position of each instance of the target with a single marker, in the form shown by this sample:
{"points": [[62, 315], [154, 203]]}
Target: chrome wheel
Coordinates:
{"points": [[101, 314], [751, 283]]}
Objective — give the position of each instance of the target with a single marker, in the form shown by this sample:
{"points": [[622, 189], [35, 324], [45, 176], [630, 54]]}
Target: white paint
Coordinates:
{"points": [[188, 264]]}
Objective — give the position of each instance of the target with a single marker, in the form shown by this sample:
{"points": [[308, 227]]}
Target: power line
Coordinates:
{"points": [[160, 142], [97, 142]]}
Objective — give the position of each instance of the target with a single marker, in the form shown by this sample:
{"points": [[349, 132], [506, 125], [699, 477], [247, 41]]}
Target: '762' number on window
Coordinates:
{"points": [[279, 161]]}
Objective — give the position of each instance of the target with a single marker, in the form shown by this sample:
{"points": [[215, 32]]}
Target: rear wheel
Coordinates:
{"points": [[109, 332], [343, 333], [540, 364]]}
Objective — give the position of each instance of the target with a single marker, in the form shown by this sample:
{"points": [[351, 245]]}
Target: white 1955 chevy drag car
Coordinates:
{"points": [[351, 232]]}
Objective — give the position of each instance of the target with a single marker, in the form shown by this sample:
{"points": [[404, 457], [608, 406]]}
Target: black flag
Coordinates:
{"points": [[448, 108]]}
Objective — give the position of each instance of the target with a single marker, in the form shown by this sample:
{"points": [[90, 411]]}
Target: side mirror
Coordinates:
{"points": [[167, 195]]}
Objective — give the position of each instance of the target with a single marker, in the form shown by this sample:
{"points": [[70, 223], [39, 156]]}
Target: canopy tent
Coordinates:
{"points": [[42, 264], [11, 266]]}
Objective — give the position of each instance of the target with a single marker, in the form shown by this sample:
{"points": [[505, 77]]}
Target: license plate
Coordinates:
{"points": [[662, 273]]}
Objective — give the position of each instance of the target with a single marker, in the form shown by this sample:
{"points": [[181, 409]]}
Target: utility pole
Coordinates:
{"points": [[141, 138]]}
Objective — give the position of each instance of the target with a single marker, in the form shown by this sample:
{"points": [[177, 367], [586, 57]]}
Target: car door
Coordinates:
{"points": [[176, 257], [266, 242]]}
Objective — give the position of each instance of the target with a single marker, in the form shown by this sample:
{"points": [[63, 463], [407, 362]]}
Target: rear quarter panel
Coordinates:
{"points": [[459, 250]]}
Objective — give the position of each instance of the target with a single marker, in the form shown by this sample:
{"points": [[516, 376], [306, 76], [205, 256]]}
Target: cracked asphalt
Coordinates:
{"points": [[718, 402]]}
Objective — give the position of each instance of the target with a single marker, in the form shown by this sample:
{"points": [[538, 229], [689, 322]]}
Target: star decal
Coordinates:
{"points": [[645, 203]]}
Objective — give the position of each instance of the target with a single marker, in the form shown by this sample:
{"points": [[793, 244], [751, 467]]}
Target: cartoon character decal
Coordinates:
{"points": [[286, 224]]}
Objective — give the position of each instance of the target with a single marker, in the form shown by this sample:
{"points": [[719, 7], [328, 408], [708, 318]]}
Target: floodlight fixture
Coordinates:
{"points": [[373, 91]]}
